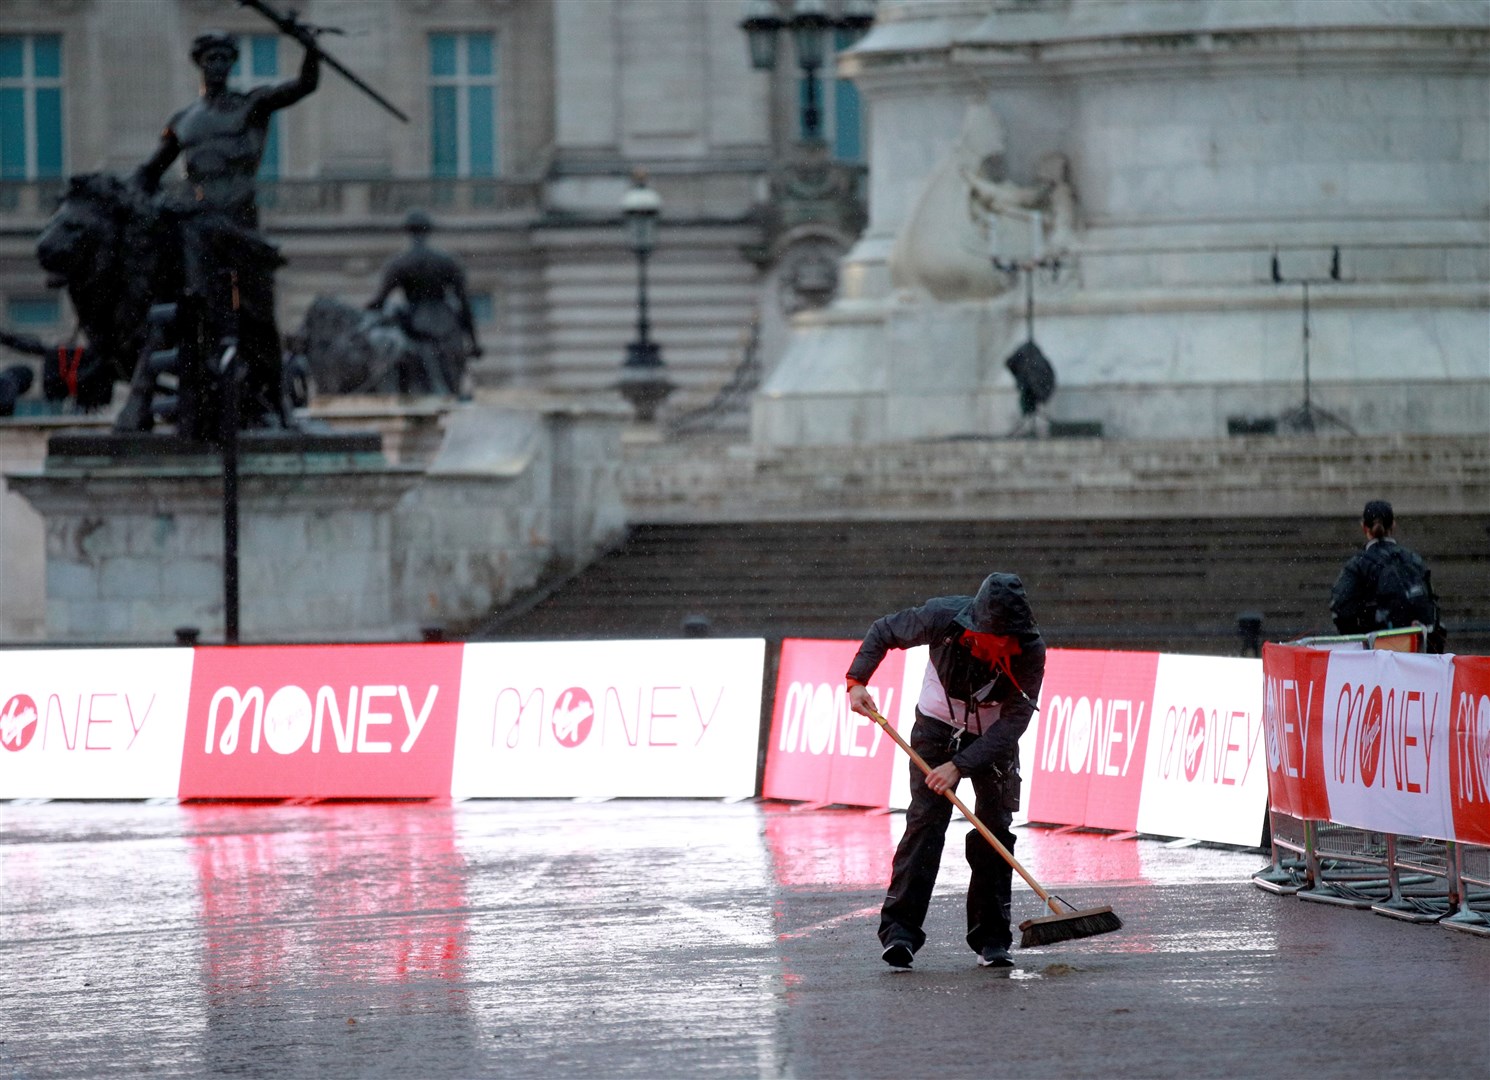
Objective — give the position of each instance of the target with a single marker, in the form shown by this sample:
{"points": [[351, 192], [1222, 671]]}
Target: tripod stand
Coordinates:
{"points": [[1306, 416]]}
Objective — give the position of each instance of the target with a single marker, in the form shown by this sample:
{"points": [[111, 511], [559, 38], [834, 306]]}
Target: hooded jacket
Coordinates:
{"points": [[999, 608]]}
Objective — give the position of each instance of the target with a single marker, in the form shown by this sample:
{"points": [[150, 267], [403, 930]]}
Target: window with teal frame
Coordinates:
{"points": [[30, 106], [29, 311], [258, 65], [463, 105]]}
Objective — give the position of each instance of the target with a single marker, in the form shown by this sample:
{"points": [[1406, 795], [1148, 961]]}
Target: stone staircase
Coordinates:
{"points": [[1122, 543], [694, 480], [1169, 584]]}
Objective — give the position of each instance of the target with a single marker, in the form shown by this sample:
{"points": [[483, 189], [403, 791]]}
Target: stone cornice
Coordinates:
{"points": [[1169, 53]]}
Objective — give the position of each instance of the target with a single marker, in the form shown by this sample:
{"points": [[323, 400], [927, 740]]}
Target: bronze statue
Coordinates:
{"points": [[227, 268], [436, 314], [174, 283]]}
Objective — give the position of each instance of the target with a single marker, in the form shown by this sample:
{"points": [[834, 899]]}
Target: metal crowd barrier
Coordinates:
{"points": [[1412, 878]]}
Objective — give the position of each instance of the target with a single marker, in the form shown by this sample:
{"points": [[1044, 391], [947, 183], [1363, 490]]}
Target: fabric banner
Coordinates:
{"points": [[1469, 749], [1386, 742], [1293, 721]]}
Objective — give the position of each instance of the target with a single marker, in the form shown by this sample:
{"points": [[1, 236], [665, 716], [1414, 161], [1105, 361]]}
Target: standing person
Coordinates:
{"points": [[983, 676], [221, 138], [437, 312], [1385, 585]]}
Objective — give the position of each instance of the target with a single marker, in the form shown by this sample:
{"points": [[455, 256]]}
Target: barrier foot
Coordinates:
{"points": [[1471, 922], [1328, 894], [1409, 912], [1278, 880]]}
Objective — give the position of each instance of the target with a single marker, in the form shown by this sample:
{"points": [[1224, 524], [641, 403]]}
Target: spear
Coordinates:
{"points": [[289, 24]]}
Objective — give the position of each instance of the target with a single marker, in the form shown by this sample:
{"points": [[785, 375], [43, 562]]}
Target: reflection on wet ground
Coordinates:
{"points": [[680, 938]]}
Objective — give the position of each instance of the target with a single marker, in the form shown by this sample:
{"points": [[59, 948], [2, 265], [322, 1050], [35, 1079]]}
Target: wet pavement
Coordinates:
{"points": [[671, 939]]}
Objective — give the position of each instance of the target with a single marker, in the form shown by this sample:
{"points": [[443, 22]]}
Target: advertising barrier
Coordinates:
{"points": [[1469, 749], [1168, 745], [383, 721], [1096, 710], [1386, 741], [321, 721], [820, 751], [1377, 767], [93, 723], [656, 719], [1205, 773]]}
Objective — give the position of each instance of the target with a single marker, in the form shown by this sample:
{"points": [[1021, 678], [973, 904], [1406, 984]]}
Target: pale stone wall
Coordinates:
{"points": [[1203, 139], [330, 549]]}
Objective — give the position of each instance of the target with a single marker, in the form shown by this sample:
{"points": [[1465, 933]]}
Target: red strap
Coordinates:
{"points": [[68, 366]]}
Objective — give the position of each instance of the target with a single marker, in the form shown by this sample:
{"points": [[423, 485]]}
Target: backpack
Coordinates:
{"points": [[1403, 594]]}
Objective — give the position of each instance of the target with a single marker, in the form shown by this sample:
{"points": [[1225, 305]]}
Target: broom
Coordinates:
{"points": [[1065, 923]]}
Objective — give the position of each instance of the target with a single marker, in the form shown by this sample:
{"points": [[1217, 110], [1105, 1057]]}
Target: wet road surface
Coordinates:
{"points": [[671, 939]]}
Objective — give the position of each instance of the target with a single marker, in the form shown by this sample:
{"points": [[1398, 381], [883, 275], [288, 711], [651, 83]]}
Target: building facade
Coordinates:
{"points": [[527, 120]]}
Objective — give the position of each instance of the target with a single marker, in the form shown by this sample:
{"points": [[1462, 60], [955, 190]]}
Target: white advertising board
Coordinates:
{"points": [[1387, 743], [1205, 776], [93, 723], [644, 719]]}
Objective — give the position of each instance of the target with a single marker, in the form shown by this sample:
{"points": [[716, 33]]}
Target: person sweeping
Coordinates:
{"points": [[983, 676]]}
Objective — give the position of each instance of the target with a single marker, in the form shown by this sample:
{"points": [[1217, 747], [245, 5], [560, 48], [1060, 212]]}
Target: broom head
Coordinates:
{"points": [[1073, 924]]}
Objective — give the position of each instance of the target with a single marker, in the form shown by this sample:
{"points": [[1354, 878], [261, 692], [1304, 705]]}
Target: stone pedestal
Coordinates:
{"points": [[335, 542], [1191, 167], [134, 537]]}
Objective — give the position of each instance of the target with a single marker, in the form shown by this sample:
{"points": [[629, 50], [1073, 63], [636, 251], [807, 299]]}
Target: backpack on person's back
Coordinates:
{"points": [[1404, 594]]}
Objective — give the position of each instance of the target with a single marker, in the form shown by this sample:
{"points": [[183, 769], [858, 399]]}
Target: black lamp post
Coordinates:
{"points": [[643, 381], [809, 24]]}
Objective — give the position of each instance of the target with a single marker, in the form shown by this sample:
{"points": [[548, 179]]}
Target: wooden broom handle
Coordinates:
{"points": [[951, 794]]}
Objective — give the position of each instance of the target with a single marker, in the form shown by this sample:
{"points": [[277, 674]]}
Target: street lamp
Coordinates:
{"points": [[643, 381], [809, 24]]}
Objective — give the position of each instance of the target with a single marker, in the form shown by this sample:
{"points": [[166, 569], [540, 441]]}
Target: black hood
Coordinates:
{"points": [[999, 608]]}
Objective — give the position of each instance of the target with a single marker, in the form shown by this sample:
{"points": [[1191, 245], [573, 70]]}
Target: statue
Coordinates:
{"points": [[436, 312], [967, 212], [106, 243], [1026, 221], [350, 350], [226, 267], [166, 282]]}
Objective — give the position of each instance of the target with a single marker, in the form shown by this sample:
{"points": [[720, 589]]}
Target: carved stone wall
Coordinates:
{"points": [[1199, 142]]}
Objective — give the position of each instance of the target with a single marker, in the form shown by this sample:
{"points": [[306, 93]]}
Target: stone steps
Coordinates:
{"points": [[1170, 584]]}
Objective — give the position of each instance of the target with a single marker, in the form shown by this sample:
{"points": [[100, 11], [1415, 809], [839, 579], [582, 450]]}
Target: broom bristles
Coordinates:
{"points": [[1074, 924]]}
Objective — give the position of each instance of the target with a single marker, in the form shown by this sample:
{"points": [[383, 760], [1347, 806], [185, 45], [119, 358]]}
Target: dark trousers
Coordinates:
{"points": [[919, 855]]}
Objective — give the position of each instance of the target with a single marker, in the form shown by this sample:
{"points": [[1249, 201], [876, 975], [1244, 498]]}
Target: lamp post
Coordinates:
{"points": [[643, 381], [809, 24]]}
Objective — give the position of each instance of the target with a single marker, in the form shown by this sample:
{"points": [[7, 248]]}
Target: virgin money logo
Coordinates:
{"points": [[17, 722], [290, 718], [573, 716], [1368, 739], [1195, 745]]}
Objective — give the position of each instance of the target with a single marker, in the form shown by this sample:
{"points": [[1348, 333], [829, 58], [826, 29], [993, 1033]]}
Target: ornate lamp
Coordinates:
{"points": [[644, 382]]}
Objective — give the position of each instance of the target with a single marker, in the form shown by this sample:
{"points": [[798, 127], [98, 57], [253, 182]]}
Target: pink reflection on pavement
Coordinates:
{"points": [[833, 848], [851, 848], [1057, 859], [366, 891]]}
